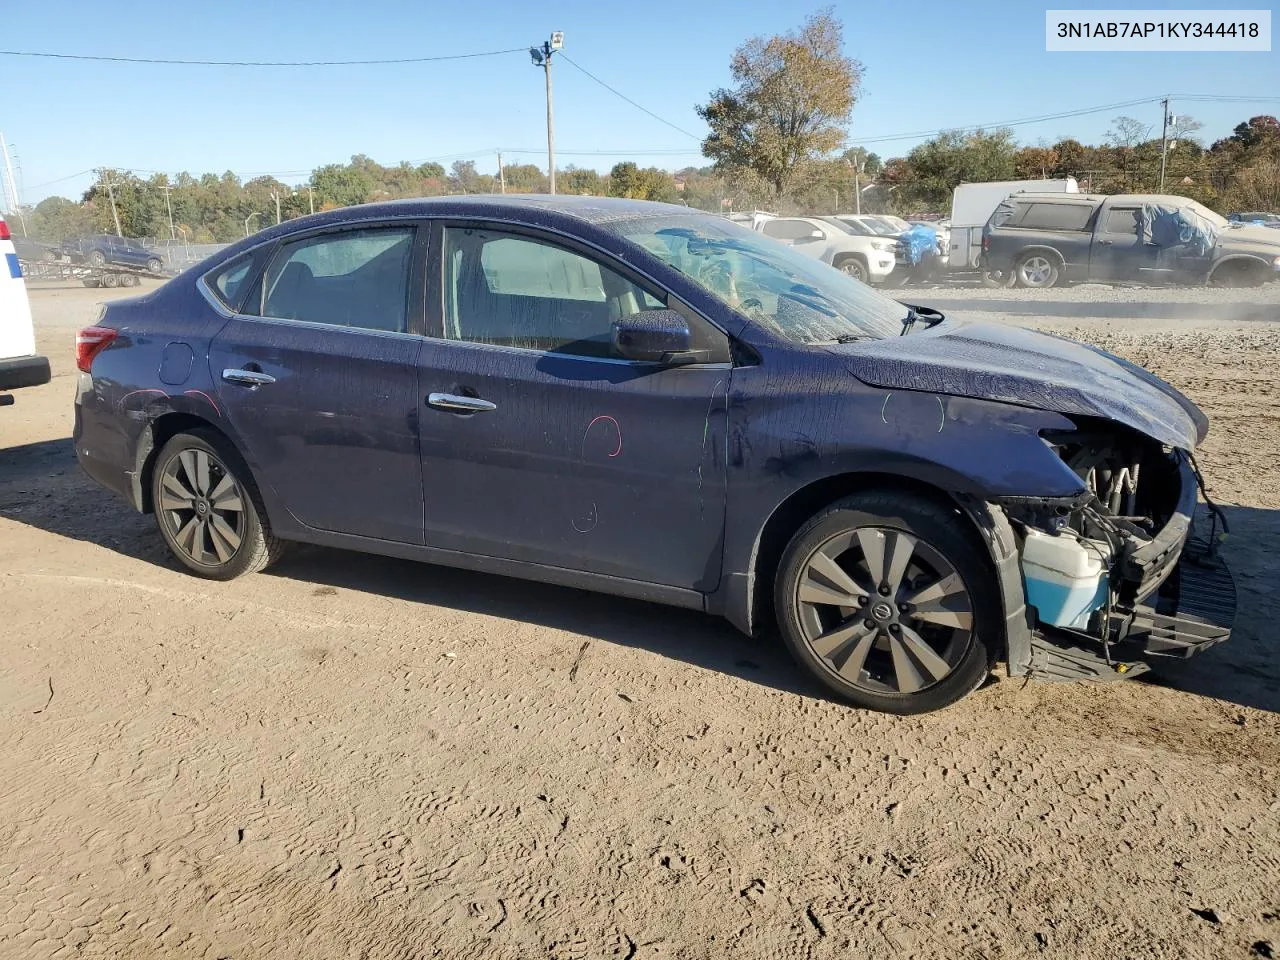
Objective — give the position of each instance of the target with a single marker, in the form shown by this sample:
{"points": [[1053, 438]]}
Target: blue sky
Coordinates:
{"points": [[929, 65]]}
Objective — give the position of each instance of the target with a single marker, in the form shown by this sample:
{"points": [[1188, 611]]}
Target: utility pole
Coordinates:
{"points": [[1164, 141], [311, 198], [246, 222], [12, 186], [542, 58], [275, 195], [173, 234], [502, 175], [111, 195]]}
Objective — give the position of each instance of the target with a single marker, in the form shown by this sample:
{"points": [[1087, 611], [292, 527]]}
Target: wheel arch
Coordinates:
{"points": [[984, 524], [154, 436], [1243, 263], [1025, 252]]}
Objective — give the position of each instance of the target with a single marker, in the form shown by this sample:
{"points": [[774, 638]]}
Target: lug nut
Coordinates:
{"points": [[893, 628], [884, 590], [904, 608], [869, 624], [862, 601]]}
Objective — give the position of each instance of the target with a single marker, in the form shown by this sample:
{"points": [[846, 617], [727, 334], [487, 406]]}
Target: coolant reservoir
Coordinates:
{"points": [[1066, 577]]}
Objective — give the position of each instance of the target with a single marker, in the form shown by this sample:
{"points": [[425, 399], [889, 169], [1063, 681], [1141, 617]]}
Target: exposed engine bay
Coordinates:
{"points": [[1101, 568]]}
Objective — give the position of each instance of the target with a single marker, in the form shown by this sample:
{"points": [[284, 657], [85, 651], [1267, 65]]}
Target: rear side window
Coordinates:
{"points": [[358, 278], [1056, 216], [227, 282]]}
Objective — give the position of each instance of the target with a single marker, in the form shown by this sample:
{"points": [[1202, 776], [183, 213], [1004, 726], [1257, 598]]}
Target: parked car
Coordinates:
{"points": [[869, 259], [20, 365], [1043, 239], [105, 248], [654, 402]]}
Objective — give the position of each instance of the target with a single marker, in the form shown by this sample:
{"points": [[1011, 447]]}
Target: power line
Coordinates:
{"points": [[49, 183], [256, 63], [1010, 123], [618, 93]]}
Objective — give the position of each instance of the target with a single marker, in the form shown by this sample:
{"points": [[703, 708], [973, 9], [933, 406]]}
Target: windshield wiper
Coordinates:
{"points": [[853, 337], [909, 321]]}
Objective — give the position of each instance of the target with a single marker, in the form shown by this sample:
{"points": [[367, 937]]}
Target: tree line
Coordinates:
{"points": [[777, 140]]}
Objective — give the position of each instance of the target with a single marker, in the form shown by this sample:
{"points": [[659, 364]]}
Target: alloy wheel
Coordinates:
{"points": [[202, 507], [884, 611], [1036, 270]]}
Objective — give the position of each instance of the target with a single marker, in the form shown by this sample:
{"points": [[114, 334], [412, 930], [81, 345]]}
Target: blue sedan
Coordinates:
{"points": [[653, 402]]}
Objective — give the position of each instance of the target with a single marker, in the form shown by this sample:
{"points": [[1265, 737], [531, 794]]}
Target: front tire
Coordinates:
{"points": [[154, 265], [208, 509], [854, 267], [885, 601], [96, 258]]}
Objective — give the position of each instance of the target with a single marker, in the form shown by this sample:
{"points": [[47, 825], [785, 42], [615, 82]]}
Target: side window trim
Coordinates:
{"points": [[437, 283]]}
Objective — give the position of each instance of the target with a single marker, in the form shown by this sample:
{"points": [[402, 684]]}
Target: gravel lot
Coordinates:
{"points": [[352, 757]]}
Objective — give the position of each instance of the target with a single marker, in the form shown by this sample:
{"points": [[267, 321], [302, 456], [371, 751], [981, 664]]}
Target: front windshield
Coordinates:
{"points": [[856, 227], [793, 295], [1216, 219], [879, 227], [887, 227]]}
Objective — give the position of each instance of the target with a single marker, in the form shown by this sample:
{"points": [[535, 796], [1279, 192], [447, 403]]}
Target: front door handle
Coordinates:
{"points": [[1106, 241], [250, 378], [459, 404]]}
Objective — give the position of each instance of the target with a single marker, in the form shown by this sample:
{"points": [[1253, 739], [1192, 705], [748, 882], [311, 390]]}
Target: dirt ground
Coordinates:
{"points": [[351, 757]]}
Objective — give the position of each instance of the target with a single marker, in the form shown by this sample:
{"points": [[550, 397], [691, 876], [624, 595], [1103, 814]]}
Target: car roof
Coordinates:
{"points": [[1165, 198], [586, 209]]}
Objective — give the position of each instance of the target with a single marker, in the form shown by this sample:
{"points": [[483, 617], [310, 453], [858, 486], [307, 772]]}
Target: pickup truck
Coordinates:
{"points": [[105, 248], [869, 259], [20, 365], [1041, 239]]}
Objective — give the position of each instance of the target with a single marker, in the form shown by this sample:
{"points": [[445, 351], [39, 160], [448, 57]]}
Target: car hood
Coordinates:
{"points": [[1251, 235], [1011, 365]]}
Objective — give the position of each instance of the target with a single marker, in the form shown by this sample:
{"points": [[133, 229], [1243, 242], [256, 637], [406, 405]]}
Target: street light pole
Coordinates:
{"points": [[1164, 141], [173, 235], [542, 58]]}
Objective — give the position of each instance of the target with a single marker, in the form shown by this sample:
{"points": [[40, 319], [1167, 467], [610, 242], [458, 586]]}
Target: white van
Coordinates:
{"points": [[20, 366], [972, 205]]}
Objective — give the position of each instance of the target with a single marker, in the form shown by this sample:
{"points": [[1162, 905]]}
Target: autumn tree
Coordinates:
{"points": [[790, 104]]}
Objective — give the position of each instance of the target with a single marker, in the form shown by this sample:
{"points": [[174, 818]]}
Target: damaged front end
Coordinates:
{"points": [[1115, 576]]}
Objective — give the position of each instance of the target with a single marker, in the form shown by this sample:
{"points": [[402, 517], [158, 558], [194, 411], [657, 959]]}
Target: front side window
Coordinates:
{"points": [[788, 229], [358, 278], [515, 291], [1124, 221]]}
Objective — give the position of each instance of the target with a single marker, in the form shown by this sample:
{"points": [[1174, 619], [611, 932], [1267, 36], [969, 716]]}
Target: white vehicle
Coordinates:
{"points": [[19, 364], [869, 259], [972, 205]]}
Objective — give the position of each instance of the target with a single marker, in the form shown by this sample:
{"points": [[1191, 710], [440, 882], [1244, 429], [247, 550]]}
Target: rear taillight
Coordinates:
{"points": [[90, 342], [986, 243], [4, 230]]}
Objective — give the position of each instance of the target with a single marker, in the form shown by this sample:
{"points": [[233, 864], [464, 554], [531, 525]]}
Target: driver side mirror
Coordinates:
{"points": [[656, 336]]}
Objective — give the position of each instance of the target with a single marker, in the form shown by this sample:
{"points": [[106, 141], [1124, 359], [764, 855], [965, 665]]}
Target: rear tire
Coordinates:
{"points": [[997, 279], [919, 640], [208, 509], [1036, 271], [111, 279]]}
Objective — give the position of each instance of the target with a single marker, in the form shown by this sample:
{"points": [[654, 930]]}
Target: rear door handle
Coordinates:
{"points": [[251, 378], [1106, 241], [459, 404]]}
